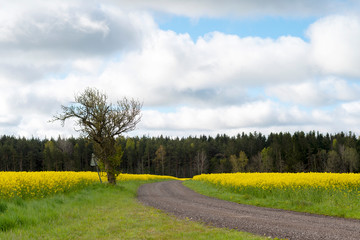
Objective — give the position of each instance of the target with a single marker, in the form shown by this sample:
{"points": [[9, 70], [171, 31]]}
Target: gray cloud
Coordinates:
{"points": [[34, 102], [27, 72], [7, 121], [213, 96], [42, 41], [80, 31]]}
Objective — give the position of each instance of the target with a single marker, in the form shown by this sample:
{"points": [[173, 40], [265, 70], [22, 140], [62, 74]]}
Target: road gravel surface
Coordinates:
{"points": [[173, 197]]}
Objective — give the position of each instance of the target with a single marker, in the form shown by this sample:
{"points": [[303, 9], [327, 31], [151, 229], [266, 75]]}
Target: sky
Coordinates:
{"points": [[201, 67]]}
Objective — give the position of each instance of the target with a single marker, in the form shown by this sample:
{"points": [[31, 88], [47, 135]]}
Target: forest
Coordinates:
{"points": [[186, 157]]}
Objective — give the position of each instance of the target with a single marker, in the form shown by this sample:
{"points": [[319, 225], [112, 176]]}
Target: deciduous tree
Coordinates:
{"points": [[239, 163], [160, 158], [101, 122], [201, 161]]}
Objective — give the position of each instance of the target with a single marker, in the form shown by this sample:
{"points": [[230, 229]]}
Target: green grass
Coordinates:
{"points": [[332, 203], [99, 212]]}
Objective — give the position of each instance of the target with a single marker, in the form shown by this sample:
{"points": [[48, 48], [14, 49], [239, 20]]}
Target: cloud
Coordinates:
{"points": [[335, 45], [316, 93], [216, 83], [350, 113], [46, 41], [261, 116], [241, 8], [171, 68], [41, 127], [73, 30], [259, 113]]}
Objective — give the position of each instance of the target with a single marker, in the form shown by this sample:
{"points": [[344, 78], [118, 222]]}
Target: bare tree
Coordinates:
{"points": [[201, 161], [101, 122], [351, 159]]}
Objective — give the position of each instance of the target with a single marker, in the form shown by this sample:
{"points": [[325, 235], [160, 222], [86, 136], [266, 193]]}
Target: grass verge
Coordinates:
{"points": [[326, 203], [99, 212]]}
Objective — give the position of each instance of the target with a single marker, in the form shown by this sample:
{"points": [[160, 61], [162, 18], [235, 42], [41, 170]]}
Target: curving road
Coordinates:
{"points": [[175, 198]]}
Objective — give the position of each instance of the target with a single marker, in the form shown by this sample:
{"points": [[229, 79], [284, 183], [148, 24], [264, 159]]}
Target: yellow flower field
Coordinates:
{"points": [[268, 181], [127, 177], [41, 184], [331, 194]]}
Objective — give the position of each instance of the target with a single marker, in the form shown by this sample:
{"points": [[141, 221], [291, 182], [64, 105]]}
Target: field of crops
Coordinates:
{"points": [[321, 193], [308, 186], [285, 181], [41, 184], [325, 193]]}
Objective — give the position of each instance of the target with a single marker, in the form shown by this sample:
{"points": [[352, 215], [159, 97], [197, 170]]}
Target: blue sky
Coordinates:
{"points": [[199, 67], [264, 27]]}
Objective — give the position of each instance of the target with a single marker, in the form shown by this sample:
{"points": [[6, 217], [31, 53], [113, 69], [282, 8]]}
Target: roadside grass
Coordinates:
{"points": [[331, 203], [100, 211]]}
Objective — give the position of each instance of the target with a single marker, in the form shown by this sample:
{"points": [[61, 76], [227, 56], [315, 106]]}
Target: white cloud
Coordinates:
{"points": [[260, 114], [170, 66], [335, 44], [316, 93], [53, 52], [42, 128], [351, 108], [240, 8], [88, 25], [88, 65]]}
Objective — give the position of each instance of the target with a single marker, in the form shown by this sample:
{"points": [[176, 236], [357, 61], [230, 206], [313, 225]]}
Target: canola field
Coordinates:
{"points": [[311, 186], [42, 184], [285, 181], [296, 191]]}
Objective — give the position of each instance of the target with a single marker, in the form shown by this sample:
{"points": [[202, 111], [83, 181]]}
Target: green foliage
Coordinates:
{"points": [[351, 159], [266, 160], [130, 152], [160, 159], [333, 161], [278, 152], [115, 159], [3, 207], [238, 164], [101, 122]]}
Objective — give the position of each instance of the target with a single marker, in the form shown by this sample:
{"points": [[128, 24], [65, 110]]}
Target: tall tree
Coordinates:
{"points": [[239, 163], [351, 159], [101, 122], [333, 162], [160, 158], [49, 156], [266, 160], [130, 154], [201, 161]]}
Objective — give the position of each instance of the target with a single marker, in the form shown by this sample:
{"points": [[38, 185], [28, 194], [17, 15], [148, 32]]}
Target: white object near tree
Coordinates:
{"points": [[93, 163]]}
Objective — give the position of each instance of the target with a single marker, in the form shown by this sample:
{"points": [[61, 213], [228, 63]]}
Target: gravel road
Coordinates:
{"points": [[175, 198]]}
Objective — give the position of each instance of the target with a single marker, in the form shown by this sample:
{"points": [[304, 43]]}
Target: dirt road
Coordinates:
{"points": [[173, 197]]}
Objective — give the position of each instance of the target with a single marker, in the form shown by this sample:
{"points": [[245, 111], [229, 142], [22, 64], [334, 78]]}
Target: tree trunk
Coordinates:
{"points": [[162, 165], [110, 175], [111, 178]]}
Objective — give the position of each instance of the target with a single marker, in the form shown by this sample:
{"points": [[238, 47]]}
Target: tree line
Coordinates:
{"points": [[186, 157]]}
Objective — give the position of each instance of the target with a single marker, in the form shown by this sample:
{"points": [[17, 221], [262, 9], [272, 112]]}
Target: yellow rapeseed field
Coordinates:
{"points": [[285, 181], [41, 184], [127, 177]]}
